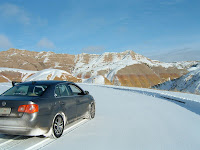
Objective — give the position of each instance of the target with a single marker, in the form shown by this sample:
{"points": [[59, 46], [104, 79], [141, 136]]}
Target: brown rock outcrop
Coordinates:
{"points": [[30, 60], [140, 75]]}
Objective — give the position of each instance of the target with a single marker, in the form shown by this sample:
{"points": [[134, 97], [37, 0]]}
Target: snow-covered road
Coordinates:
{"points": [[124, 120], [128, 120]]}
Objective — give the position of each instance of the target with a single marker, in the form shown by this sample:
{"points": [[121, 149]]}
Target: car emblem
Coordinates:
{"points": [[3, 103]]}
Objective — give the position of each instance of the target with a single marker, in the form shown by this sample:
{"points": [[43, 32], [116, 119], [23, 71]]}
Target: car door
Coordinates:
{"points": [[67, 101], [81, 99]]}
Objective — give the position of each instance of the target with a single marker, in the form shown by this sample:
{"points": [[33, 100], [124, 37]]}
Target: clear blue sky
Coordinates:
{"points": [[97, 26]]}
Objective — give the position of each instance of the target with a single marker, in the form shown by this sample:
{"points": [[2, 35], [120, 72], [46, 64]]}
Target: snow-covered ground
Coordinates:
{"points": [[129, 118]]}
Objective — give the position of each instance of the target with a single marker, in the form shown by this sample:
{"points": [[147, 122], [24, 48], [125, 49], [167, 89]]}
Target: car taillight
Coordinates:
{"points": [[21, 108], [30, 108]]}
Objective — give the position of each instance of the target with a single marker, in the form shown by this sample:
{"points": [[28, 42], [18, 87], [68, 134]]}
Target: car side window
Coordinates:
{"points": [[75, 90], [61, 90], [57, 91], [23, 90], [38, 90]]}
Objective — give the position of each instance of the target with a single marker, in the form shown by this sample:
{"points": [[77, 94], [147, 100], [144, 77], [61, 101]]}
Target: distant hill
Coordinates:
{"points": [[188, 83], [126, 68]]}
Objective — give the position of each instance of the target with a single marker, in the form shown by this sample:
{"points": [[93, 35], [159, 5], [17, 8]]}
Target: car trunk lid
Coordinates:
{"points": [[9, 105]]}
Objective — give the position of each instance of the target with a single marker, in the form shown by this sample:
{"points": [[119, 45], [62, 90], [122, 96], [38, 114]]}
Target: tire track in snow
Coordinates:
{"points": [[48, 141], [9, 143]]}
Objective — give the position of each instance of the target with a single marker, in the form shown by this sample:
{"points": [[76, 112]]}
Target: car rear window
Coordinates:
{"points": [[26, 90]]}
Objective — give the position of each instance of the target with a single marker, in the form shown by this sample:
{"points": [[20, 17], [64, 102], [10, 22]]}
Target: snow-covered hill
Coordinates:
{"points": [[125, 68], [98, 80], [53, 74], [111, 63], [128, 68], [12, 74], [187, 83]]}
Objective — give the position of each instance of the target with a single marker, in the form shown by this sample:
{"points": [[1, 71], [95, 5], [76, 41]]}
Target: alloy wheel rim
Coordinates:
{"points": [[58, 126]]}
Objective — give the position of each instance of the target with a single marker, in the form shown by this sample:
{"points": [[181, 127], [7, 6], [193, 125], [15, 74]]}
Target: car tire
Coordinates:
{"points": [[90, 114], [57, 127]]}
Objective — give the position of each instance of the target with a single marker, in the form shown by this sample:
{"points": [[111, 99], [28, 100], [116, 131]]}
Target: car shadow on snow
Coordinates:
{"points": [[5, 137]]}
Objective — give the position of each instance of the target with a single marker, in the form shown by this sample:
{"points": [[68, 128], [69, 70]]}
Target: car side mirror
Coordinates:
{"points": [[86, 93]]}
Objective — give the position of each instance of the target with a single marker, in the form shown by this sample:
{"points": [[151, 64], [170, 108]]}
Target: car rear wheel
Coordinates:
{"points": [[58, 126]]}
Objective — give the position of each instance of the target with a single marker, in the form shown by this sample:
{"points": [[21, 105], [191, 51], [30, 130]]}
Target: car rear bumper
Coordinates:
{"points": [[22, 131], [26, 125]]}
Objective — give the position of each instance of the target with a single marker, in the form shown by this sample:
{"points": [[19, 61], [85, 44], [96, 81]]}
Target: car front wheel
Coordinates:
{"points": [[90, 114], [92, 110]]}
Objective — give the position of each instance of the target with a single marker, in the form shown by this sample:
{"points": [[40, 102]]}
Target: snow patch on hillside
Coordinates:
{"points": [[46, 60], [24, 73], [96, 80], [47, 74]]}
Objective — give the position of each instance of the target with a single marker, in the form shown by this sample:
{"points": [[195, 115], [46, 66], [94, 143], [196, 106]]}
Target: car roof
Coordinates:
{"points": [[44, 82]]}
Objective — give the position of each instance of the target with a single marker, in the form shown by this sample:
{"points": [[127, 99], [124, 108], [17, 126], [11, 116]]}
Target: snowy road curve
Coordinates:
{"points": [[125, 120]]}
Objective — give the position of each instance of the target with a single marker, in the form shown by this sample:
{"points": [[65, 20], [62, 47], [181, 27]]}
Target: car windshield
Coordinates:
{"points": [[26, 90]]}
